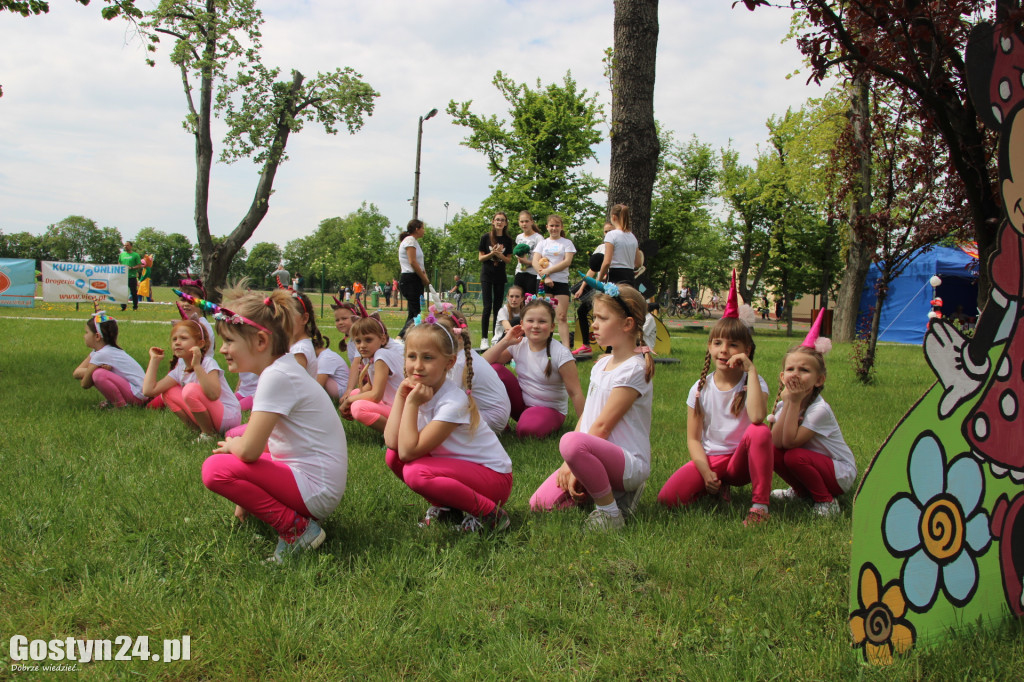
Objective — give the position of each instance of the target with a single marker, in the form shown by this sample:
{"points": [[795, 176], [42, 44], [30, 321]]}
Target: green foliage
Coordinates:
{"points": [[172, 254], [535, 159], [21, 245], [114, 8], [262, 260], [346, 248], [78, 239]]}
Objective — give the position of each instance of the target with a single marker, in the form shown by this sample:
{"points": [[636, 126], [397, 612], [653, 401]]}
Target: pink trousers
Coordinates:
{"points": [[808, 473], [115, 388], [264, 488], [751, 462], [595, 462], [531, 422], [367, 411], [455, 483], [190, 399]]}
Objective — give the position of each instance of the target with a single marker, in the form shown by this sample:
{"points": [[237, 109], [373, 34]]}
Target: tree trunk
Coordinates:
{"points": [[858, 258], [634, 139]]}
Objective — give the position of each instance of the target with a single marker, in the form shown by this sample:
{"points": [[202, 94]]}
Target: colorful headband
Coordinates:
{"points": [[231, 317], [382, 327], [189, 282], [447, 333], [99, 317], [201, 303], [298, 297], [609, 289], [530, 297]]}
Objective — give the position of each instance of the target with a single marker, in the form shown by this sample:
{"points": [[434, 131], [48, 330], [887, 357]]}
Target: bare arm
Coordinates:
{"points": [[571, 378], [695, 444], [249, 446], [619, 401], [606, 264]]}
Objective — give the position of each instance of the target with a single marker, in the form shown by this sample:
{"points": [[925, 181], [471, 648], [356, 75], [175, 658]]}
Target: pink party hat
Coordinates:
{"points": [[732, 305], [812, 340]]}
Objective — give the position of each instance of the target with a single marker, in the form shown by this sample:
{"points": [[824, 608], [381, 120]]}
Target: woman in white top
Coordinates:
{"points": [[526, 274], [552, 260], [413, 280], [621, 252]]}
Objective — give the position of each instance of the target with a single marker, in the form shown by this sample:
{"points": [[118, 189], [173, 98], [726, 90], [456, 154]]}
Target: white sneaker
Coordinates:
{"points": [[784, 494], [628, 499], [483, 344], [827, 508], [600, 520]]}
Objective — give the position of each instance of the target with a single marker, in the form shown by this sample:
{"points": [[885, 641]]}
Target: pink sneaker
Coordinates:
{"points": [[755, 517]]}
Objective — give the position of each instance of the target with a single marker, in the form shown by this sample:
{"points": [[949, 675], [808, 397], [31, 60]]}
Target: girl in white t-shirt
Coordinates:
{"points": [[545, 377], [195, 388], [331, 369], [526, 274], [810, 452], [552, 260], [305, 335], [728, 442], [622, 252], [510, 313], [378, 376], [608, 456], [114, 373], [290, 466], [437, 443]]}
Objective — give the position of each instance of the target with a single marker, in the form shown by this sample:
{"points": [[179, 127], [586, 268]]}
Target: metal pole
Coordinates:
{"points": [[416, 182]]}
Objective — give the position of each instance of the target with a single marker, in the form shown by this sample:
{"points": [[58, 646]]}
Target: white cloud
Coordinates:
{"points": [[89, 129]]}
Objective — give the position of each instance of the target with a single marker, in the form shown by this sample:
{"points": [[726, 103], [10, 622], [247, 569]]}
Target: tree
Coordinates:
{"points": [[78, 239], [21, 245], [917, 48], [172, 254], [740, 187], [211, 38], [262, 260], [634, 137], [536, 159]]}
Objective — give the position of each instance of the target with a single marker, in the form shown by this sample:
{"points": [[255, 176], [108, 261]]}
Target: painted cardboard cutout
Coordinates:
{"points": [[938, 523]]}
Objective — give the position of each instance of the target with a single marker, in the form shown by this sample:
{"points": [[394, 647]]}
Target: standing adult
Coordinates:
{"points": [[394, 294], [526, 274], [621, 252], [495, 252], [552, 260], [282, 277], [133, 261], [413, 280]]}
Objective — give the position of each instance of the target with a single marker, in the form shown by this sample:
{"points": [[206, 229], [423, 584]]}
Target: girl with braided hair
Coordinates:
{"points": [[305, 335], [728, 442]]}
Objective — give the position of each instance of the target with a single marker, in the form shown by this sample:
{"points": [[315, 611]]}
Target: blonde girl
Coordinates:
{"points": [[379, 375], [306, 336], [290, 467], [510, 313], [728, 442], [622, 254], [811, 454], [526, 274], [552, 260], [332, 370], [437, 444], [195, 388], [546, 376], [607, 459], [114, 373]]}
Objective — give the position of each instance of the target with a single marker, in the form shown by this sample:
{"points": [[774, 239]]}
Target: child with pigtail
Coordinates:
{"points": [[289, 467], [810, 452], [728, 442], [306, 335], [378, 377], [436, 442], [331, 368]]}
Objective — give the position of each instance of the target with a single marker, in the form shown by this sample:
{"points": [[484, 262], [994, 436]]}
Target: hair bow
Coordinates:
{"points": [[201, 303]]}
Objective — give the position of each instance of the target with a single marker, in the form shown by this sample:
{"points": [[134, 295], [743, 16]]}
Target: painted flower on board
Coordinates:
{"points": [[938, 526], [878, 625]]}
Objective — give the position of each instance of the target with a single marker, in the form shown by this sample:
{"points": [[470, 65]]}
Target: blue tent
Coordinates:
{"points": [[905, 311]]}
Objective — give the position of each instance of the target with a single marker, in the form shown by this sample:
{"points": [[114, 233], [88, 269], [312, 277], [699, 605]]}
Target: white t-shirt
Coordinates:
{"points": [[403, 255], [451, 405], [247, 382], [540, 390], [625, 248], [632, 433], [332, 364], [123, 365], [828, 440], [211, 335], [304, 347], [232, 410], [499, 330], [533, 240], [396, 364], [488, 391], [308, 437], [650, 331], [556, 251], [722, 431]]}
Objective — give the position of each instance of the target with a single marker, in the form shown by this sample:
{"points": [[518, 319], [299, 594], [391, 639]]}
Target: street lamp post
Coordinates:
{"points": [[416, 185]]}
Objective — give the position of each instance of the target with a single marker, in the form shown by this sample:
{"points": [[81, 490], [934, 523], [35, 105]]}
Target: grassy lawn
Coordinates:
{"points": [[107, 530]]}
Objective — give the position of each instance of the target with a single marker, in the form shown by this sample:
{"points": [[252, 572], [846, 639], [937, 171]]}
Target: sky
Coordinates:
{"points": [[89, 129]]}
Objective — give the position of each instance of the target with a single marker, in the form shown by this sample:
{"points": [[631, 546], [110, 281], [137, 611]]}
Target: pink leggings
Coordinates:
{"points": [[750, 463], [114, 388], [245, 402], [531, 422], [810, 474], [264, 488], [367, 411], [190, 399], [455, 483], [597, 463]]}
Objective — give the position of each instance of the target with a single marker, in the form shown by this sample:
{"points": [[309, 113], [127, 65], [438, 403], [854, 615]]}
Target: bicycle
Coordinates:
{"points": [[467, 307]]}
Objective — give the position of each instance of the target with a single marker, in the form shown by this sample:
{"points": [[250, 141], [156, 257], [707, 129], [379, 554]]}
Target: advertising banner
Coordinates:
{"points": [[70, 282], [17, 283]]}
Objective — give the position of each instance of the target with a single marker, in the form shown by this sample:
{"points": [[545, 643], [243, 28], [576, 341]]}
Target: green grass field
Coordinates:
{"points": [[106, 530]]}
